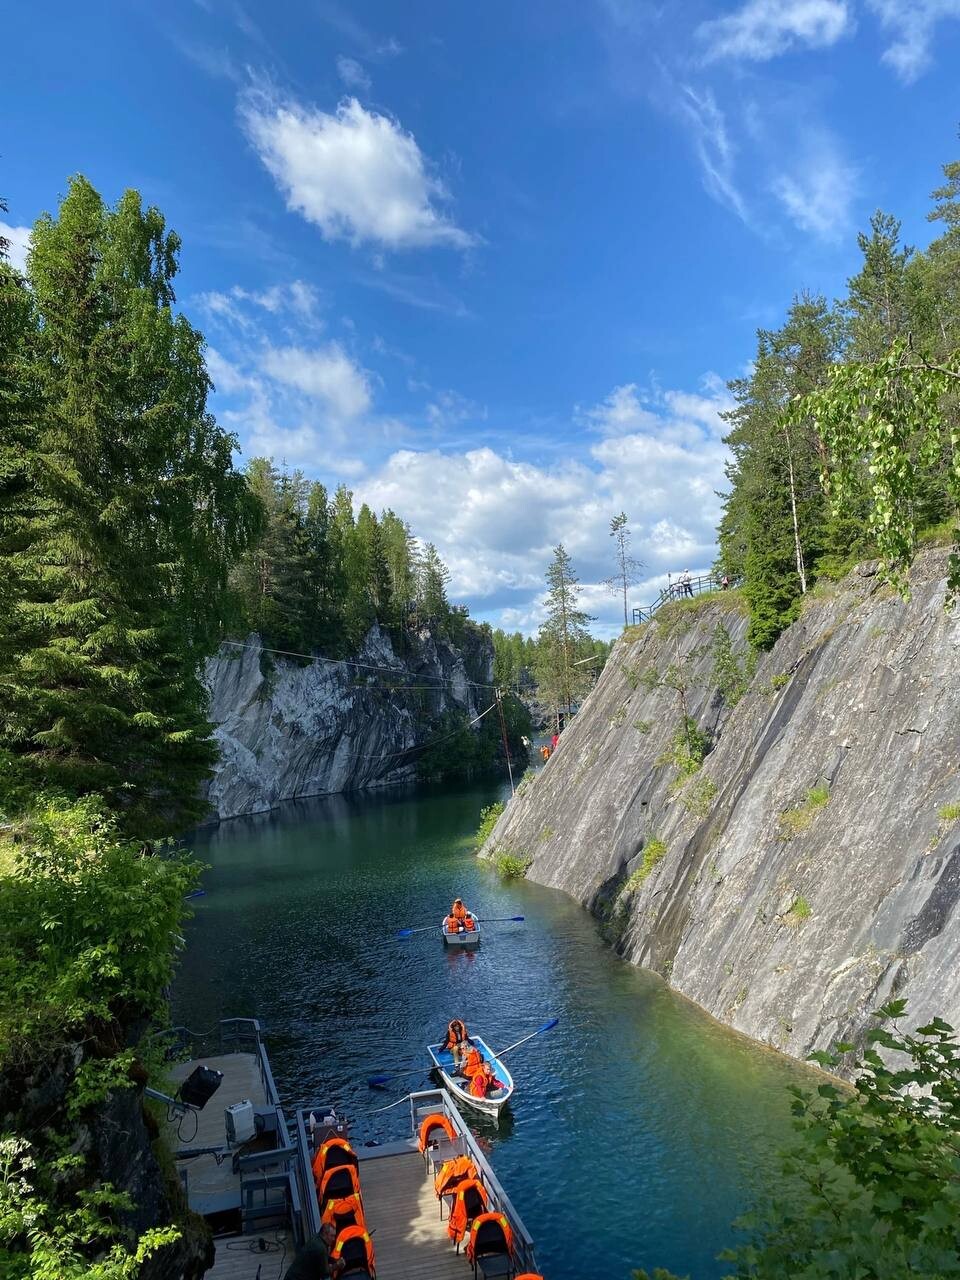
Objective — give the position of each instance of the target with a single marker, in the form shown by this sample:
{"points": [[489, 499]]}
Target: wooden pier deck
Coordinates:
{"points": [[411, 1242], [238, 1257], [214, 1187]]}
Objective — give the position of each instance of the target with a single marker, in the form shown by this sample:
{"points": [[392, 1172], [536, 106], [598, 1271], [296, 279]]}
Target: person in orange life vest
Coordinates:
{"points": [[485, 1082], [459, 912], [473, 1061], [456, 1040]]}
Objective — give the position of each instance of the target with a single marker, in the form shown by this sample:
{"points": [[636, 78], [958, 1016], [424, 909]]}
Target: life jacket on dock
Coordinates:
{"points": [[334, 1152], [355, 1249], [337, 1184], [430, 1124], [473, 1063], [490, 1233], [451, 1173], [469, 1203], [344, 1213]]}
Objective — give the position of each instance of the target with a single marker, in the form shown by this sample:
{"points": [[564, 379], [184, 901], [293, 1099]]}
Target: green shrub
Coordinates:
{"points": [[793, 822], [949, 813], [488, 820], [800, 910], [698, 796], [642, 726], [654, 851], [512, 865], [688, 749]]}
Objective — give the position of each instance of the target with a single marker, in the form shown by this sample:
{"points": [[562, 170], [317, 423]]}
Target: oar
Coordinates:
{"points": [[377, 1082], [539, 1032], [406, 933]]}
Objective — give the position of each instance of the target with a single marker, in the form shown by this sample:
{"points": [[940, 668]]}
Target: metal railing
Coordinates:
{"points": [[681, 591]]}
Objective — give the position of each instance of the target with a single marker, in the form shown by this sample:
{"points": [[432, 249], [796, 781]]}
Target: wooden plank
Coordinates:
{"points": [[411, 1242], [238, 1257]]}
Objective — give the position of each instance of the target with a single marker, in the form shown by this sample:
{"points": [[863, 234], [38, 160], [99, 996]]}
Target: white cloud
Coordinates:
{"points": [[715, 151], [352, 73], [326, 374], [912, 23], [355, 174], [763, 29], [19, 246], [449, 408], [820, 189], [297, 298]]}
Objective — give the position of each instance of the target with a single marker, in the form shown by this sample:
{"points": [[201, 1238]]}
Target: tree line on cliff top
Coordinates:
{"points": [[844, 434]]}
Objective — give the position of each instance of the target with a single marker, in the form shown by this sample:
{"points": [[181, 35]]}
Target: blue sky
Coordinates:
{"points": [[491, 265]]}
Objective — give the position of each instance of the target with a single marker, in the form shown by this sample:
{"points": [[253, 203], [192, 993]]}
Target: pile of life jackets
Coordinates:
{"points": [[337, 1180]]}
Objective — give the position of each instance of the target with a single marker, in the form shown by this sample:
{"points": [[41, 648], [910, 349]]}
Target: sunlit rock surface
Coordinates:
{"points": [[289, 728], [786, 915]]}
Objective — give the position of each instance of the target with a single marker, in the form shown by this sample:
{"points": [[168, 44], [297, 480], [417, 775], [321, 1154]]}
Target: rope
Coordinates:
{"points": [[344, 662]]}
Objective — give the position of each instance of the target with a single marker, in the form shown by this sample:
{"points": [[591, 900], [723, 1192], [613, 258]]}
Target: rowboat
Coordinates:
{"points": [[459, 1087], [468, 938]]}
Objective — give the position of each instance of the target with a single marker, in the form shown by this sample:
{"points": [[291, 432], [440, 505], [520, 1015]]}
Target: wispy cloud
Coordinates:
{"points": [[355, 174], [714, 149], [819, 190], [912, 23], [764, 29], [326, 374], [18, 245], [352, 73]]}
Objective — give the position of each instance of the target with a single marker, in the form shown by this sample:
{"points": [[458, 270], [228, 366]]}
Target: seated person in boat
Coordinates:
{"points": [[456, 1040], [313, 1260], [484, 1082], [460, 919], [472, 1061]]}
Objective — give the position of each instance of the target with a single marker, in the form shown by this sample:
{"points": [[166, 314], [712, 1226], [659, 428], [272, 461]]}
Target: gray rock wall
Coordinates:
{"points": [[786, 915], [287, 729]]}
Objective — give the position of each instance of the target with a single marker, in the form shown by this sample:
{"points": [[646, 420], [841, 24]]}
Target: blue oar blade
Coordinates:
{"points": [[404, 933], [547, 1026], [377, 1082]]}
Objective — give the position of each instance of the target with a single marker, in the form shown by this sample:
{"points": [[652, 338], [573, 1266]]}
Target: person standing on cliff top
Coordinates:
{"points": [[686, 583]]}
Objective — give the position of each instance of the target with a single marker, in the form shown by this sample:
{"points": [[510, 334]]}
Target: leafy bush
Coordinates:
{"points": [[512, 865], [654, 851], [688, 749], [870, 1189], [800, 911], [949, 813], [642, 726], [793, 822], [698, 796], [488, 820]]}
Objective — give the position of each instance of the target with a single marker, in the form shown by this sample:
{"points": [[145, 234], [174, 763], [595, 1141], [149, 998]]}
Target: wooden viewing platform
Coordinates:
{"points": [[411, 1242]]}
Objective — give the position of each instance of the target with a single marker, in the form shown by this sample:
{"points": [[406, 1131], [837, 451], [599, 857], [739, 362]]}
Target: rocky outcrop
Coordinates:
{"points": [[289, 727], [810, 868]]}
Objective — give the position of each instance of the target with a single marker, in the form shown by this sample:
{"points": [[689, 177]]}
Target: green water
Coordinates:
{"points": [[639, 1128]]}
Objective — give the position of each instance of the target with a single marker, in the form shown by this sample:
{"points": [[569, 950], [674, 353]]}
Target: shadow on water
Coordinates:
{"points": [[638, 1114]]}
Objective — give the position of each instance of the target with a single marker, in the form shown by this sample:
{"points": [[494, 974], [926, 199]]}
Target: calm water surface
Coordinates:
{"points": [[639, 1128]]}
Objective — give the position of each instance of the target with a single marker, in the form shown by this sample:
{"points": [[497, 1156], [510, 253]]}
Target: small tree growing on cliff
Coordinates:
{"points": [[628, 566], [564, 629]]}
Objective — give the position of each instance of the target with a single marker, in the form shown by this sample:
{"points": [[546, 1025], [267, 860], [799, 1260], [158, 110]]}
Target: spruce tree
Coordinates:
{"points": [[563, 631], [129, 517]]}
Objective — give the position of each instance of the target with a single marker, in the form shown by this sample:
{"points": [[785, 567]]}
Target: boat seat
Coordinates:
{"points": [[494, 1264]]}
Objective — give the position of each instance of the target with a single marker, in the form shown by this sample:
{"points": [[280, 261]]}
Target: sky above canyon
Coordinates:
{"points": [[493, 265]]}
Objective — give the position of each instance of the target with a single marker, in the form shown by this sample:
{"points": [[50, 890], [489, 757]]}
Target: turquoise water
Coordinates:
{"points": [[639, 1128]]}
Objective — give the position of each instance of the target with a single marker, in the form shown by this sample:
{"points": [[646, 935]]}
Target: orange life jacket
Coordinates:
{"points": [[471, 1195], [351, 1242], [452, 1172], [479, 1222], [344, 1213], [473, 1063], [469, 923], [348, 1184], [481, 1083], [529, 1275], [451, 924], [456, 1032], [325, 1159], [459, 913], [435, 1121]]}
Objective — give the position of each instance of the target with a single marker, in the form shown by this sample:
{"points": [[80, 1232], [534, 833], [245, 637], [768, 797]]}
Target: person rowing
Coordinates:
{"points": [[460, 920], [457, 1041]]}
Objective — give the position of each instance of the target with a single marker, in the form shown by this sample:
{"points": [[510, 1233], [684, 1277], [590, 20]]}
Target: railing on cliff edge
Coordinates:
{"points": [[677, 591]]}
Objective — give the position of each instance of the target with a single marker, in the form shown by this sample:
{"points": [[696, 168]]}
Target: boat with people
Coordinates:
{"points": [[460, 927], [490, 1092]]}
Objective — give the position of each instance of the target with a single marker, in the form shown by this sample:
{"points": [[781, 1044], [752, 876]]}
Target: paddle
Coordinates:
{"points": [[377, 1082], [406, 933], [539, 1032]]}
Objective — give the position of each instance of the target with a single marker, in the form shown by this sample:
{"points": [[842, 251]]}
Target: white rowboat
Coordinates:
{"points": [[459, 1087], [461, 938]]}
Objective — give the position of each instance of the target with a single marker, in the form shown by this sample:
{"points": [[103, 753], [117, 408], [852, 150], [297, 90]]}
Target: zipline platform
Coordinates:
{"points": [[410, 1241]]}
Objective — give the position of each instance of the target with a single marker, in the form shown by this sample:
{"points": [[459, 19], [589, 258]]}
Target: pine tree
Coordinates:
{"points": [[433, 577], [129, 521], [563, 630], [878, 303], [628, 566]]}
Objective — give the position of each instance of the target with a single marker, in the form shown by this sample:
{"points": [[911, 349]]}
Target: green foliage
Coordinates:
{"points": [[488, 820], [560, 680], [512, 865], [628, 566], [86, 920], [698, 796], [793, 822], [40, 1240], [732, 672], [654, 851], [120, 516], [642, 726], [800, 910], [688, 749], [949, 813], [871, 1187]]}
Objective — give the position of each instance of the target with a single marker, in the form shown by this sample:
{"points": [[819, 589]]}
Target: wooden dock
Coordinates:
{"points": [[411, 1242], [238, 1257], [214, 1187]]}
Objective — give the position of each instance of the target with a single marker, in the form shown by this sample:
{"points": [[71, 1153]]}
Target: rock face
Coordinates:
{"points": [[289, 728], [810, 869]]}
